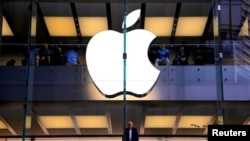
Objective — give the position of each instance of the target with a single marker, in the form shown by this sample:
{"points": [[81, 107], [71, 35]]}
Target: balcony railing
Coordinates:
{"points": [[58, 83]]}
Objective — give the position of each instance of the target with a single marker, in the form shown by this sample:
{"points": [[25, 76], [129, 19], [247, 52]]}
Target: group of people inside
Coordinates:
{"points": [[46, 56], [68, 56], [181, 57]]}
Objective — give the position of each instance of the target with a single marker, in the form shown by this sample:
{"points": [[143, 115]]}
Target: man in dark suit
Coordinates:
{"points": [[131, 133]]}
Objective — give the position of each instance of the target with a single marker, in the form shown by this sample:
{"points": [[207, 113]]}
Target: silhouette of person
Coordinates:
{"points": [[181, 57], [11, 62], [131, 133], [58, 56], [43, 55], [198, 57]]}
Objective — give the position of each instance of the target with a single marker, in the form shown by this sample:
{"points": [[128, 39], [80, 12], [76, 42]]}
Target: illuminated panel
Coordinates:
{"points": [[160, 121], [56, 121], [160, 26], [92, 25], [244, 29], [190, 26], [6, 31], [220, 120], [28, 122], [194, 121], [33, 26], [92, 121], [61, 26], [2, 125], [215, 21]]}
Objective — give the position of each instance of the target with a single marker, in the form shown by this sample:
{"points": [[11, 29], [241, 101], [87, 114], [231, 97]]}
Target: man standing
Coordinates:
{"points": [[131, 133]]}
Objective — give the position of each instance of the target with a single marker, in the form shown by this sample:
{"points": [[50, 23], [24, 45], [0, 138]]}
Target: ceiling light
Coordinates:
{"points": [[244, 28], [191, 26], [92, 25], [157, 121], [216, 24], [194, 121], [3, 125], [6, 30], [92, 121], [61, 26], [160, 26], [28, 122], [33, 26], [56, 121]]}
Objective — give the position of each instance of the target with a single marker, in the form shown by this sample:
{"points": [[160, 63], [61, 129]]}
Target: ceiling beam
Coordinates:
{"points": [[108, 12], [44, 129], [142, 17], [142, 126], [176, 17], [76, 21], [12, 131], [177, 121], [73, 118], [43, 24], [208, 24], [107, 112], [246, 121], [212, 121]]}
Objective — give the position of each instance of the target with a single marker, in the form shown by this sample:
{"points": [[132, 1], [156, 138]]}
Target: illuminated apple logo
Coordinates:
{"points": [[104, 58]]}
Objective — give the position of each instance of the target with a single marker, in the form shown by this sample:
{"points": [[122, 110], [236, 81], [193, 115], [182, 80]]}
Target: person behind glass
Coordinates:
{"points": [[11, 62], [198, 57], [162, 56], [72, 57], [131, 133], [59, 58], [181, 57], [43, 55]]}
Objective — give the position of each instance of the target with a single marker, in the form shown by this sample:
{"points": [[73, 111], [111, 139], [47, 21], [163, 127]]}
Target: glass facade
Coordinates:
{"points": [[46, 96]]}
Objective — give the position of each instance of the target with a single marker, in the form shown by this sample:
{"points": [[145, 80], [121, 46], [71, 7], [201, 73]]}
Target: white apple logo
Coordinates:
{"points": [[104, 58]]}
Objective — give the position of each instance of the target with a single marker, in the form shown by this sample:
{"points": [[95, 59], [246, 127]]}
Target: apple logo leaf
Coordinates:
{"points": [[132, 18]]}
